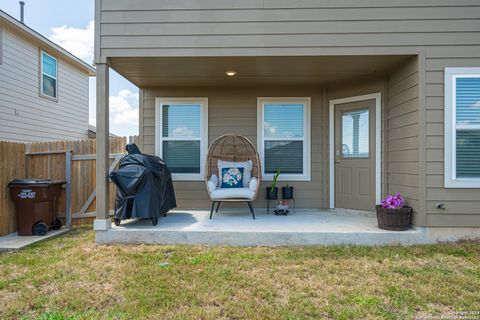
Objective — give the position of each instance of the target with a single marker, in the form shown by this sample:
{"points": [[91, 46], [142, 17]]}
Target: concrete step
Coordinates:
{"points": [[236, 227]]}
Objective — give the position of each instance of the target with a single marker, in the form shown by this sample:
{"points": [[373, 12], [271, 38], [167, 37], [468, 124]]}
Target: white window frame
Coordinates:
{"points": [[203, 102], [451, 127], [42, 74], [306, 101]]}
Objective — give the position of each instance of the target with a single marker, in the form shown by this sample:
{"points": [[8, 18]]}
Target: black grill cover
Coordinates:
{"points": [[144, 186]]}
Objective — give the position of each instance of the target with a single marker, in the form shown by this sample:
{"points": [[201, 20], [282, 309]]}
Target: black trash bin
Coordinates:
{"points": [[35, 205]]}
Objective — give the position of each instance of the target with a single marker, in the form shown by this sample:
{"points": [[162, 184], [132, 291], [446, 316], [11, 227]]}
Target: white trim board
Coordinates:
{"points": [[378, 142], [159, 101]]}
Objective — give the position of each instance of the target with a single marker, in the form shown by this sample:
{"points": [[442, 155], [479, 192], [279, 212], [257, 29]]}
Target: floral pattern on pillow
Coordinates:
{"points": [[232, 178]]}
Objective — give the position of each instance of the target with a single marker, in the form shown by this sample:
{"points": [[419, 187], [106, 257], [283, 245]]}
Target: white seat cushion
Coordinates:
{"points": [[232, 193], [253, 184], [212, 183]]}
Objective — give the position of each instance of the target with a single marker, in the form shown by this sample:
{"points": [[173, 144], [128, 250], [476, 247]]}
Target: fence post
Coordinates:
{"points": [[68, 189]]}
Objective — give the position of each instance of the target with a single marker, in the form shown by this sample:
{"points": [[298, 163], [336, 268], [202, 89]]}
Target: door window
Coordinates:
{"points": [[355, 134]]}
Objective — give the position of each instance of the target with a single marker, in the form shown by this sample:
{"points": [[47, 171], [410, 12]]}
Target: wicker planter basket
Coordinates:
{"points": [[394, 219]]}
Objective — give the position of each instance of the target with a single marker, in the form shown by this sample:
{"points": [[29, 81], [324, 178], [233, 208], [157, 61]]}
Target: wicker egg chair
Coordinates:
{"points": [[235, 148]]}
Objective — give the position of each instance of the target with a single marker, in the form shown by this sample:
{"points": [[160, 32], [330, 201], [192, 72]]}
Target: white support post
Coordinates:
{"points": [[102, 221]]}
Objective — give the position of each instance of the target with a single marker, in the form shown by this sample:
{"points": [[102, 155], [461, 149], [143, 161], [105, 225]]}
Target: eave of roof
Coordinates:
{"points": [[93, 129], [29, 32]]}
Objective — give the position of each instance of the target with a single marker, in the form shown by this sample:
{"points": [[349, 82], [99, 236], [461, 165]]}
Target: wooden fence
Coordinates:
{"points": [[73, 161], [12, 165]]}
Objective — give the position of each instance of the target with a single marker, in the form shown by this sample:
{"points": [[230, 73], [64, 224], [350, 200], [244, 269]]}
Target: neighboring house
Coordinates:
{"points": [[92, 132], [351, 99], [43, 87]]}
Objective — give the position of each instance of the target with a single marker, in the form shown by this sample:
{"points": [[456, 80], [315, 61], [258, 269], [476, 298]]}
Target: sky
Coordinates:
{"points": [[69, 23]]}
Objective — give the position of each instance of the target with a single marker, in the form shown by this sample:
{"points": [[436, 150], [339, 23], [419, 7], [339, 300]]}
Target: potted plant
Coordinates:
{"points": [[287, 192], [392, 214], [272, 191]]}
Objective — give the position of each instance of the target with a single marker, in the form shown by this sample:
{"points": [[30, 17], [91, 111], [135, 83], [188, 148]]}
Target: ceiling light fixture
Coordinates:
{"points": [[230, 73]]}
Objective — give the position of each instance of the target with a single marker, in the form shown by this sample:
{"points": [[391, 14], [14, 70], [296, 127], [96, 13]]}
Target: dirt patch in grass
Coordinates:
{"points": [[72, 278]]}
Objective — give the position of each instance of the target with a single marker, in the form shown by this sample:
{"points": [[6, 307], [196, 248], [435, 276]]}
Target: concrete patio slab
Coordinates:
{"points": [[13, 242], [236, 227]]}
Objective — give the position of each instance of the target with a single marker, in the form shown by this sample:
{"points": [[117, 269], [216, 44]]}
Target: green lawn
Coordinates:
{"points": [[72, 278]]}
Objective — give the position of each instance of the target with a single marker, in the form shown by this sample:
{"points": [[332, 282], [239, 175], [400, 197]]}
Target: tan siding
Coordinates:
{"points": [[25, 115], [275, 41], [454, 220], [290, 15], [461, 205], [452, 208], [402, 144], [442, 194], [279, 28], [265, 4], [211, 28], [403, 134], [235, 110]]}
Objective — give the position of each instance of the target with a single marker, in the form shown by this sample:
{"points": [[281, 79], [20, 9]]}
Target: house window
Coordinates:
{"points": [[48, 76], [462, 127], [181, 135], [284, 137]]}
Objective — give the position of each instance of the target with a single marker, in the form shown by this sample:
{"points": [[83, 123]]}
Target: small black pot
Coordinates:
{"points": [[287, 193], [272, 193], [394, 219]]}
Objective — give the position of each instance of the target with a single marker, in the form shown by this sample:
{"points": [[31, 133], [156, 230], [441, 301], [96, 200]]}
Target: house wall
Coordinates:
{"points": [[234, 110], [443, 33], [24, 115], [462, 206], [403, 136], [444, 28]]}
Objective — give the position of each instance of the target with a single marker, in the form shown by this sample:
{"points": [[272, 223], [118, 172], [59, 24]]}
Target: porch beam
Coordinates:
{"points": [[102, 221]]}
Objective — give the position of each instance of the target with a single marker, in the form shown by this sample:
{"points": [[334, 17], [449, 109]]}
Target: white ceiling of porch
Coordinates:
{"points": [[252, 71]]}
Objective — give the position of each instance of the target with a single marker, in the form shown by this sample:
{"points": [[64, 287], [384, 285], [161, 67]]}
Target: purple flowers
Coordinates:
{"points": [[393, 202]]}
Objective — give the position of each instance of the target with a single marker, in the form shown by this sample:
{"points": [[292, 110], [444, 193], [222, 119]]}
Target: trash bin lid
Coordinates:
{"points": [[34, 182]]}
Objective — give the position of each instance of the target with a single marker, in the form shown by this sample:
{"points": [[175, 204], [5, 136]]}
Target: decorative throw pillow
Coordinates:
{"points": [[246, 165], [232, 177]]}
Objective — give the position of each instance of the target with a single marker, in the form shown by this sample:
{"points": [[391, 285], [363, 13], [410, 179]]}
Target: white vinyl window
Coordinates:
{"points": [[283, 132], [181, 135], [48, 76], [462, 127]]}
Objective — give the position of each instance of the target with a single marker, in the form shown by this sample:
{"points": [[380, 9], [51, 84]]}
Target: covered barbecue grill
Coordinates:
{"points": [[144, 187]]}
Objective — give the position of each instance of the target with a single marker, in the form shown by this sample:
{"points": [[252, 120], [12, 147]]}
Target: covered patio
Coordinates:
{"points": [[389, 83]]}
